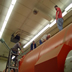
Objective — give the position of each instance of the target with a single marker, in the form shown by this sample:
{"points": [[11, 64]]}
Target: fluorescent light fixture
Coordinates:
{"points": [[68, 7], [53, 23], [9, 12], [52, 20], [13, 2], [7, 16], [3, 27], [36, 35], [64, 13]]}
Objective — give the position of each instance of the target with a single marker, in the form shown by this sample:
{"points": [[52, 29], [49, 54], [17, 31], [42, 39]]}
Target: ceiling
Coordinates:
{"points": [[23, 19]]}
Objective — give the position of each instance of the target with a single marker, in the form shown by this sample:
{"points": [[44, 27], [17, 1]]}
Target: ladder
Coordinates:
{"points": [[9, 67]]}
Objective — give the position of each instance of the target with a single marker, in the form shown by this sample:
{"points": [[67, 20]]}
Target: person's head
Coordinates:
{"points": [[20, 43], [33, 42], [48, 36], [55, 7]]}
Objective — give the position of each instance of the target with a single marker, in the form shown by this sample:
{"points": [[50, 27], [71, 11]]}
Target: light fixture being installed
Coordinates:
{"points": [[53, 23], [7, 16]]}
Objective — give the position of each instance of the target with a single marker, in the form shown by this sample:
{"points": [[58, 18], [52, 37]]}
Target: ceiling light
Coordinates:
{"points": [[13, 2], [68, 7], [52, 20], [7, 16], [64, 13], [9, 12]]}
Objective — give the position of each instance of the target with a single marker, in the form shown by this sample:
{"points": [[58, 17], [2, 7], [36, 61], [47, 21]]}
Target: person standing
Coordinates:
{"points": [[15, 49], [59, 18], [33, 45]]}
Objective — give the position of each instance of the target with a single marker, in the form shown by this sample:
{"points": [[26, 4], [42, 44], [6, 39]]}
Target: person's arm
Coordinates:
{"points": [[57, 14], [20, 48], [58, 9]]}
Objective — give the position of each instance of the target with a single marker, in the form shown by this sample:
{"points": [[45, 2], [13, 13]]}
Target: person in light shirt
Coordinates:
{"points": [[59, 18]]}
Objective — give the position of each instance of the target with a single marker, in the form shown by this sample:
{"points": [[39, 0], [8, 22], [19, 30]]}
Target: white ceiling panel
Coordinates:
{"points": [[1, 8], [44, 22], [2, 17], [26, 35], [22, 9], [46, 10], [66, 2], [18, 17], [4, 10], [1, 23], [13, 24], [5, 3], [24, 42], [27, 28], [31, 23], [7, 32], [28, 3], [49, 4], [36, 18]]}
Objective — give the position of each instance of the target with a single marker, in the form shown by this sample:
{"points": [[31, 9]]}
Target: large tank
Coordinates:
{"points": [[27, 63]]}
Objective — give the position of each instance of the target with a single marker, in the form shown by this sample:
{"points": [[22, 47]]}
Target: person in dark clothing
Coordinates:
{"points": [[40, 41], [15, 49], [33, 45]]}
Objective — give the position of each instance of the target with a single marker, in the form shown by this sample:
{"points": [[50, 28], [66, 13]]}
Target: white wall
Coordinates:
{"points": [[68, 63], [2, 65]]}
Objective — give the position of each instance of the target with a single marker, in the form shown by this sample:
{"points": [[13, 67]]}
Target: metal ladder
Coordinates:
{"points": [[9, 67]]}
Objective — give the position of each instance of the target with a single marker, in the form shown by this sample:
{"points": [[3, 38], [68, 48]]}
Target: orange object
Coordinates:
{"points": [[51, 55], [63, 37]]}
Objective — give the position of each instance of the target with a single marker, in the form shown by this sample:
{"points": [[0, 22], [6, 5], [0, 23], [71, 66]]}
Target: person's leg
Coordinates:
{"points": [[15, 56], [60, 24]]}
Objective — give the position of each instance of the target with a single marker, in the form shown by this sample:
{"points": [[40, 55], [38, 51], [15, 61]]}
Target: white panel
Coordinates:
{"points": [[27, 28], [1, 25], [57, 2], [49, 4], [2, 17], [66, 2], [36, 18], [13, 25], [22, 9], [4, 10], [5, 3], [31, 23], [28, 3], [17, 17], [45, 9], [2, 65]]}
